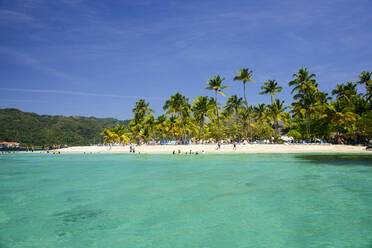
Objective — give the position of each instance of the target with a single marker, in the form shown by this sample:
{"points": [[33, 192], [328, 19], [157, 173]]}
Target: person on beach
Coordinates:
{"points": [[218, 145], [234, 146]]}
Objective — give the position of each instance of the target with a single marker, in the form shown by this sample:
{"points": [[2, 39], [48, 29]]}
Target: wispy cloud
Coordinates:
{"points": [[78, 93], [34, 63], [8, 16]]}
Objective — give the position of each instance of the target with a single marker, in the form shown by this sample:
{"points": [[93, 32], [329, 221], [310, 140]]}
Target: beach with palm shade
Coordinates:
{"points": [[314, 122]]}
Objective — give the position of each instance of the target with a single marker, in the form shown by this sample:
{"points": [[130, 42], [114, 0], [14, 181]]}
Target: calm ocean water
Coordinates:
{"points": [[116, 200]]}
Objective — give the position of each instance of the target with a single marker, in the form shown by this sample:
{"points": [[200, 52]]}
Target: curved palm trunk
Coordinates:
{"points": [[218, 118]]}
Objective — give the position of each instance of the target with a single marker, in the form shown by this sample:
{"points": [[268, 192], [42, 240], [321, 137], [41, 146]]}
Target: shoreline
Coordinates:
{"points": [[212, 149]]}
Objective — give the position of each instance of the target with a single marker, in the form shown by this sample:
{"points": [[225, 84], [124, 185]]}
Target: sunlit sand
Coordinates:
{"points": [[212, 148]]}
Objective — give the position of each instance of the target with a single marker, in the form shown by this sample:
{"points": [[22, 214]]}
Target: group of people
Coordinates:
{"points": [[190, 152]]}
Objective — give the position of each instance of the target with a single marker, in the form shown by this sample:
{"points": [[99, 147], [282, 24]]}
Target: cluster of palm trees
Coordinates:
{"points": [[312, 114]]}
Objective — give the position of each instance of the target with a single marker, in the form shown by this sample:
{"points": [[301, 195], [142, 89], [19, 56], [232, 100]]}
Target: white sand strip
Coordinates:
{"points": [[211, 148]]}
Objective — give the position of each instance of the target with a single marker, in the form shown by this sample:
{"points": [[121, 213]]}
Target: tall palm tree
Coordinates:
{"points": [[277, 111], [140, 112], [141, 109], [215, 83], [200, 107], [271, 87], [307, 94], [178, 105], [245, 75]]}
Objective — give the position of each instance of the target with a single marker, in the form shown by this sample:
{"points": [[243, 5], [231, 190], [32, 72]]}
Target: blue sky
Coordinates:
{"points": [[96, 58]]}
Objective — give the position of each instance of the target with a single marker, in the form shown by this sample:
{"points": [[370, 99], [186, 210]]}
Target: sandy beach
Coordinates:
{"points": [[212, 148]]}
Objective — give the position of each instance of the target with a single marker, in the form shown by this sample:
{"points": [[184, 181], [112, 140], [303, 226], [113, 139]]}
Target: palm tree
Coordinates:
{"points": [[366, 78], [346, 92], [276, 110], [271, 87], [245, 75], [261, 116], [141, 109], [307, 94], [178, 105], [260, 112], [215, 83], [161, 127], [140, 112], [172, 125], [149, 128], [200, 107], [118, 133], [122, 133], [245, 116], [233, 104], [232, 107], [109, 136]]}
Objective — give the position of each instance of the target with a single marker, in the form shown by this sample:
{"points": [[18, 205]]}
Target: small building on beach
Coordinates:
{"points": [[9, 144]]}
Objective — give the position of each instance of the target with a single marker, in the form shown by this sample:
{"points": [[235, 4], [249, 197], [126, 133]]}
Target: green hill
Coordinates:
{"points": [[33, 129]]}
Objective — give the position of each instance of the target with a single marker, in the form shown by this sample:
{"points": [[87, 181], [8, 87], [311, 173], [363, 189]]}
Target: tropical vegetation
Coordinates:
{"points": [[345, 112]]}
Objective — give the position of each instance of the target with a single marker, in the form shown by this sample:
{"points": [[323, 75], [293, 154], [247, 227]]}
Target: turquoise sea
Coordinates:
{"points": [[121, 200]]}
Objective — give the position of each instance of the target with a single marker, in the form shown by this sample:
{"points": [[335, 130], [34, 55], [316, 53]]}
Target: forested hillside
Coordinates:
{"points": [[33, 129]]}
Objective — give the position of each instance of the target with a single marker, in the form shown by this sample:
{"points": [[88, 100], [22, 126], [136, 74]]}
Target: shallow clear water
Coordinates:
{"points": [[116, 200]]}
